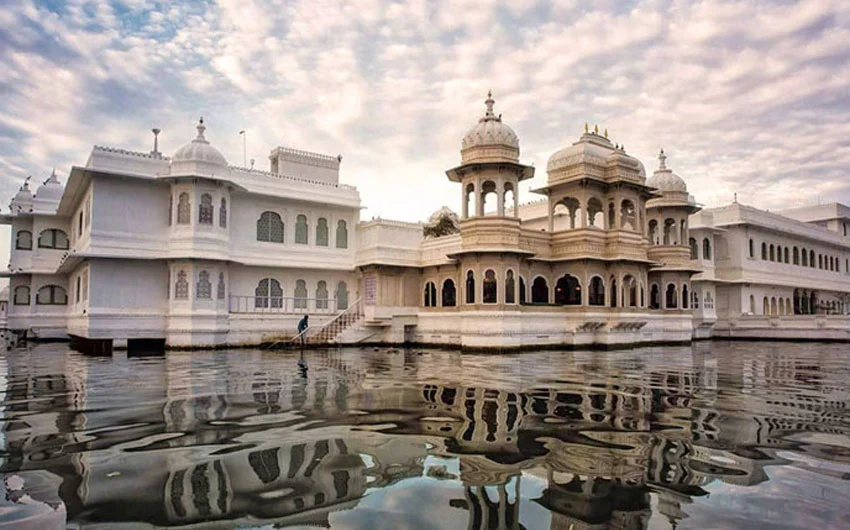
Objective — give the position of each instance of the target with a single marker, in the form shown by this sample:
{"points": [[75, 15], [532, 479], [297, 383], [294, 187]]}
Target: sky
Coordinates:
{"points": [[745, 96]]}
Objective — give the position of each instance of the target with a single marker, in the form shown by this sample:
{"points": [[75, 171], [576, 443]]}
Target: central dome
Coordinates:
{"points": [[51, 190], [198, 156], [490, 140]]}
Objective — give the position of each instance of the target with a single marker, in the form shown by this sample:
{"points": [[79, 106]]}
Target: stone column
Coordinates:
{"points": [[500, 198], [516, 199], [464, 201]]}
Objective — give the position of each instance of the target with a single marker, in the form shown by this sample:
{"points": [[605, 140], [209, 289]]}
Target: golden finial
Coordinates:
{"points": [[596, 129], [606, 132], [586, 128], [489, 93]]}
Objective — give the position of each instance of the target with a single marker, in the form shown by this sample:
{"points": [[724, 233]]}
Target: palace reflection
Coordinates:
{"points": [[247, 437]]}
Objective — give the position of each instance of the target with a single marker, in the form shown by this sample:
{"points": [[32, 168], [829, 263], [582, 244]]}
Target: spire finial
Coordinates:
{"points": [[662, 160], [489, 102], [586, 128], [596, 129], [735, 197], [201, 128], [606, 132]]}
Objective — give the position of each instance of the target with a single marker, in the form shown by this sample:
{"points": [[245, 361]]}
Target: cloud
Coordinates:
{"points": [[745, 96]]}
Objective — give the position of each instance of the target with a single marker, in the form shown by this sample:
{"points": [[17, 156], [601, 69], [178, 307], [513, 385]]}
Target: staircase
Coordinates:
{"points": [[328, 333]]}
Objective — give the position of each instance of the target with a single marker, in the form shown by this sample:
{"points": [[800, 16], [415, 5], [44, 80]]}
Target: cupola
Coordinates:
{"points": [[198, 157], [490, 140]]}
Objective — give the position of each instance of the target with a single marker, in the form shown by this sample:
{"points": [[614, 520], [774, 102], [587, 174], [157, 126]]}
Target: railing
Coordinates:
{"points": [[331, 329], [284, 304]]}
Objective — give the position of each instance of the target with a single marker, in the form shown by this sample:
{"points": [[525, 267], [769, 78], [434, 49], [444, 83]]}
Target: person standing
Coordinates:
{"points": [[302, 327]]}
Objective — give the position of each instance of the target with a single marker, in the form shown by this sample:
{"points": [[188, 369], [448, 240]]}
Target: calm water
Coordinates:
{"points": [[718, 435]]}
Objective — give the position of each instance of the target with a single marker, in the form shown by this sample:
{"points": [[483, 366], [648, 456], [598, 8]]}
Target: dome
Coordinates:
{"points": [[664, 179], [590, 149], [490, 139], [597, 150], [51, 190], [23, 199], [198, 156]]}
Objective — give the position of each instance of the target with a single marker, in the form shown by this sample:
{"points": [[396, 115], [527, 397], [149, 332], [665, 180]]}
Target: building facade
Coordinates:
{"points": [[193, 252]]}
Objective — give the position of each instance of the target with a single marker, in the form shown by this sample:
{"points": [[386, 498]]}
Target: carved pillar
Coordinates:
{"points": [[464, 201]]}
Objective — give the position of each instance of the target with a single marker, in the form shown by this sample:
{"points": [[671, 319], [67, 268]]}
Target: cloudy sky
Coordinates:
{"points": [[745, 96]]}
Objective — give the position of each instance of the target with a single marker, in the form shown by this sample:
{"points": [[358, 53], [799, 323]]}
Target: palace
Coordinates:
{"points": [[189, 251]]}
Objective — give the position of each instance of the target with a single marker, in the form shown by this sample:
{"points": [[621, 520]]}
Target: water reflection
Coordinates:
{"points": [[715, 435]]}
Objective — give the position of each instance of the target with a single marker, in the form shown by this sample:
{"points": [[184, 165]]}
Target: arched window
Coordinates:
{"points": [[522, 295], [430, 294], [51, 295], [812, 258], [170, 210], [488, 192], [706, 249], [203, 288], [695, 299], [612, 297], [796, 256], [772, 253], [300, 294], [765, 306], [594, 213], [322, 232], [654, 302], [670, 232], [805, 258], [685, 298], [764, 251], [23, 240], [568, 290], [773, 310], [181, 286], [269, 294], [341, 235], [694, 249], [752, 249], [470, 287], [301, 230], [510, 288], [220, 288], [489, 287], [53, 238], [321, 295], [672, 297], [184, 209], [628, 216], [270, 227], [629, 291], [341, 296], [785, 254], [796, 301], [205, 210], [597, 291], [449, 293], [820, 261], [22, 295], [653, 232], [752, 305], [222, 213], [540, 291]]}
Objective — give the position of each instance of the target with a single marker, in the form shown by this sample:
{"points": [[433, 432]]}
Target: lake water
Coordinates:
{"points": [[714, 435]]}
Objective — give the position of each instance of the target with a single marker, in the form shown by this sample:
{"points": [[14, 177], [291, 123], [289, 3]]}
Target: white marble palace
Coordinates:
{"points": [[189, 251]]}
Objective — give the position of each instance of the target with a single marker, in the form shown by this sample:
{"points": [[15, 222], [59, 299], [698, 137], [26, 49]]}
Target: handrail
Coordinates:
{"points": [[357, 305]]}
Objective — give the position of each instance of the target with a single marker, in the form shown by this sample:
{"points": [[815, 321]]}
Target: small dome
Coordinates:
{"points": [[198, 156], [23, 199], [51, 190], [490, 133], [664, 179]]}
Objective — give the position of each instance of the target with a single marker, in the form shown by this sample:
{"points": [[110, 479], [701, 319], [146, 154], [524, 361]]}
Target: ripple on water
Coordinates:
{"points": [[714, 435]]}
